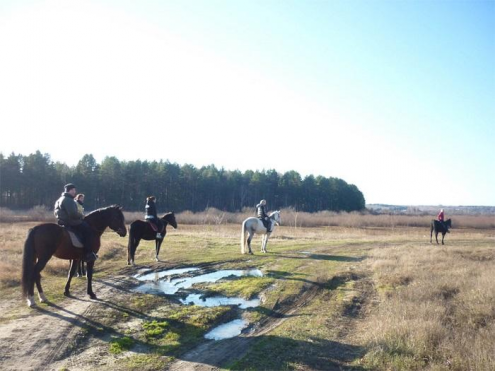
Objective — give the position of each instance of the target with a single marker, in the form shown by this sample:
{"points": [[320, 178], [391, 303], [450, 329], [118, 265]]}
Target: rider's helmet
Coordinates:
{"points": [[263, 202]]}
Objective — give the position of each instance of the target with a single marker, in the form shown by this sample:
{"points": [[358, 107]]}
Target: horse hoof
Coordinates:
{"points": [[67, 293], [30, 302], [43, 298], [157, 260], [92, 296]]}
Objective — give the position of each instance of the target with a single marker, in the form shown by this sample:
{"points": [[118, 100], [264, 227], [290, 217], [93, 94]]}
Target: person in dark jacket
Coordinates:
{"points": [[261, 214], [68, 215], [151, 216]]}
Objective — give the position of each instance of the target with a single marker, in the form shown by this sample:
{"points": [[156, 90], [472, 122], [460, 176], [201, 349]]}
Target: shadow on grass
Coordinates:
{"points": [[336, 258], [187, 335], [270, 352], [280, 353]]}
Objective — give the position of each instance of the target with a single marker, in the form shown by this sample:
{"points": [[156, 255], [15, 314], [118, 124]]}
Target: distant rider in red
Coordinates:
{"points": [[441, 218]]}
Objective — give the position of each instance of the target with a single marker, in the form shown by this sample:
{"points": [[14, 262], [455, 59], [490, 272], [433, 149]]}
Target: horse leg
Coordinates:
{"points": [[443, 236], [135, 244], [73, 267], [249, 243], [431, 234], [39, 266], [158, 243], [90, 279], [436, 236], [265, 242]]}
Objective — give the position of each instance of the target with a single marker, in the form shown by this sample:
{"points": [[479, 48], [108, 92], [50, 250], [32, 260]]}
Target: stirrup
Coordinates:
{"points": [[91, 257]]}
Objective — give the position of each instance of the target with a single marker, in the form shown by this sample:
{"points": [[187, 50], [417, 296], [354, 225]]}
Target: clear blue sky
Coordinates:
{"points": [[397, 97]]}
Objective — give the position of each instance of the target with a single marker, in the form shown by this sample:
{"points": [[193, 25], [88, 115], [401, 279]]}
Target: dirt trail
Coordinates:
{"points": [[215, 354], [37, 340]]}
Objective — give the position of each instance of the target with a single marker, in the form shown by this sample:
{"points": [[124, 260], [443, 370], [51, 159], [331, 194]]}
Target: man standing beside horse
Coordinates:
{"points": [[68, 215]]}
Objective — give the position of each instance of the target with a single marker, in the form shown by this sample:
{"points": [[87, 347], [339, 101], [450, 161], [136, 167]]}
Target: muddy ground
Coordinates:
{"points": [[312, 296]]}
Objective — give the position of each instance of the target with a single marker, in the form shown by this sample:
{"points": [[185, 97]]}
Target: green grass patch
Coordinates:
{"points": [[118, 345], [154, 328]]}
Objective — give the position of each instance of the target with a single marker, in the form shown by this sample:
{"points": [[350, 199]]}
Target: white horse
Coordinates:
{"points": [[255, 225]]}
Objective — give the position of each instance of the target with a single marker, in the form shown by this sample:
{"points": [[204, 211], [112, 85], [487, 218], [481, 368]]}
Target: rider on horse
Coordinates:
{"points": [[68, 215], [151, 216], [262, 215], [440, 218]]}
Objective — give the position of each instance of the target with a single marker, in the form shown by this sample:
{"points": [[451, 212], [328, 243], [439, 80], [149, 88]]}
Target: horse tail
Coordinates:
{"points": [[28, 263], [243, 238], [130, 253]]}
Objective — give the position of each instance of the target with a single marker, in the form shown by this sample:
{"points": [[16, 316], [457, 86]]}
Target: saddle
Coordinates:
{"points": [[266, 223], [74, 236], [76, 242], [158, 227]]}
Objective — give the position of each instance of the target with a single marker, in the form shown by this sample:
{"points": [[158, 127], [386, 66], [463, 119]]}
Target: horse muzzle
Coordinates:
{"points": [[122, 232]]}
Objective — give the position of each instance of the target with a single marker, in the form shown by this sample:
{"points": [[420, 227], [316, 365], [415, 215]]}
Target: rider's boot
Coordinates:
{"points": [[89, 256]]}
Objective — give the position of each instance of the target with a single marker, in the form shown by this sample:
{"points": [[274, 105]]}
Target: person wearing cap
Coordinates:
{"points": [[441, 218], [68, 215], [261, 214], [151, 216]]}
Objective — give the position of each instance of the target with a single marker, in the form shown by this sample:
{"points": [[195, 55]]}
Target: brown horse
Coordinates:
{"points": [[47, 240]]}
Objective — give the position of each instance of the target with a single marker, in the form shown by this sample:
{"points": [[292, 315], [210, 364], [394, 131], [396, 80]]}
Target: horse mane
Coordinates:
{"points": [[166, 214], [103, 209]]}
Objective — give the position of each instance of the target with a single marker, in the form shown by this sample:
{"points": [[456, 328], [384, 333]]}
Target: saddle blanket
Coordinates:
{"points": [[76, 242]]}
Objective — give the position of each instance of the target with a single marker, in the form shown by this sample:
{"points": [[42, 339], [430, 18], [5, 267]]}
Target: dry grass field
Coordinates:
{"points": [[340, 297]]}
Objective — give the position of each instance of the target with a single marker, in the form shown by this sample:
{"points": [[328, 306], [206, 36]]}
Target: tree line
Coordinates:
{"points": [[27, 181]]}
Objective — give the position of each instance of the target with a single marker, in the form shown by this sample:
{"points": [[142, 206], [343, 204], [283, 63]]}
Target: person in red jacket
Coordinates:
{"points": [[441, 218]]}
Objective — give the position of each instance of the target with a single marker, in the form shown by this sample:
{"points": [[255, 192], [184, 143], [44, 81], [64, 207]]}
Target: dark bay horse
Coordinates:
{"points": [[141, 230], [438, 227], [49, 239]]}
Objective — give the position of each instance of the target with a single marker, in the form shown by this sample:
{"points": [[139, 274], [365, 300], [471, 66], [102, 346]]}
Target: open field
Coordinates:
{"points": [[331, 298]]}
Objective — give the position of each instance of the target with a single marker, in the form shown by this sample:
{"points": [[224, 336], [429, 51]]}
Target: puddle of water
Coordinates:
{"points": [[305, 252], [216, 301], [171, 286], [155, 276], [227, 330]]}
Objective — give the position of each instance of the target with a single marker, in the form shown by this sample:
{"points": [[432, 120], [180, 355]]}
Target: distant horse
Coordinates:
{"points": [[141, 230], [438, 227], [45, 240], [254, 225]]}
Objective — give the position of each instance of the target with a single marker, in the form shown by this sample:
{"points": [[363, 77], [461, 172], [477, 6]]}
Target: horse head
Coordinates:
{"points": [[170, 218], [448, 223], [117, 220], [276, 217]]}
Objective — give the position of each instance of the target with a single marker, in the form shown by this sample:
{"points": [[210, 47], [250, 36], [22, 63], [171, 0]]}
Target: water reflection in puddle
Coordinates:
{"points": [[164, 282], [227, 330], [216, 301], [155, 276], [171, 286]]}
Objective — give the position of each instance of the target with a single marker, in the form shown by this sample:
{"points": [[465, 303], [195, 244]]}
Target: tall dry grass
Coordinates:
{"points": [[437, 307], [290, 217]]}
